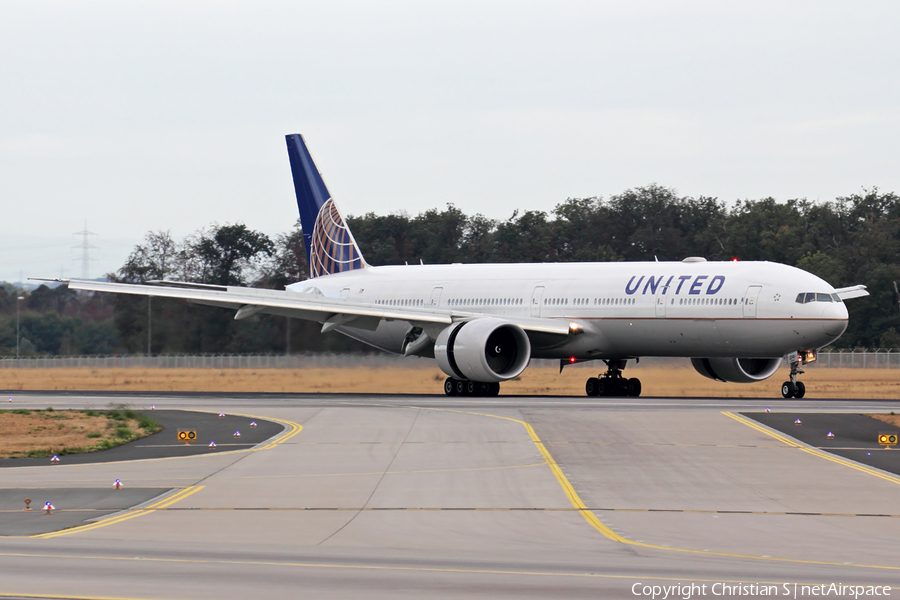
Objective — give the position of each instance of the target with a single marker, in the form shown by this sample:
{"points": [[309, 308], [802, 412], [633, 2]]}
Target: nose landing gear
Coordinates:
{"points": [[794, 388], [612, 383]]}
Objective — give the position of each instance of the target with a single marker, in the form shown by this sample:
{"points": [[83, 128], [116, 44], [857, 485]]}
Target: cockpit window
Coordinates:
{"points": [[816, 297]]}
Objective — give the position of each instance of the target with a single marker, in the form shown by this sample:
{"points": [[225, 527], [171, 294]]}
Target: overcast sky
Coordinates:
{"points": [[139, 116]]}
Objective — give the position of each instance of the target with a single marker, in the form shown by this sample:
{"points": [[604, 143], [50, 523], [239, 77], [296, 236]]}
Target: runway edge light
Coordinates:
{"points": [[212, 444], [768, 410], [252, 424], [830, 435], [221, 415], [118, 484], [798, 422], [237, 434], [54, 460]]}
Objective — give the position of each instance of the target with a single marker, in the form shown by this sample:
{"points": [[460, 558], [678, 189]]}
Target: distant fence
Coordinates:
{"points": [[878, 358], [214, 361]]}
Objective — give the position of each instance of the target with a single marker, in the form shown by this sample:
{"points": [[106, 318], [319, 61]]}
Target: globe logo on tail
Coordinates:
{"points": [[332, 248]]}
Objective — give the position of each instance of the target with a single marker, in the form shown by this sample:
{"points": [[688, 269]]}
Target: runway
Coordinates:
{"points": [[414, 497]]}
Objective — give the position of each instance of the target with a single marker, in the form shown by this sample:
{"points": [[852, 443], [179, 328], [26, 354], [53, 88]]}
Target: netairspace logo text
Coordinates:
{"points": [[687, 591]]}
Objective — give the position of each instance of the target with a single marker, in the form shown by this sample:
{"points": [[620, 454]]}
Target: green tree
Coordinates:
{"points": [[287, 264], [854, 239], [224, 254], [158, 258]]}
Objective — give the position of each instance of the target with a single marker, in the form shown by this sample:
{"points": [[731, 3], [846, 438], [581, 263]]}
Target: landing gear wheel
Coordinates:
{"points": [[460, 387], [612, 383], [493, 389], [794, 388], [634, 387], [472, 388], [450, 386], [788, 389]]}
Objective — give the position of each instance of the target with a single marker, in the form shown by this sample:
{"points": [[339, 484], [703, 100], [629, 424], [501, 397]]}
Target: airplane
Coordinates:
{"points": [[483, 323]]}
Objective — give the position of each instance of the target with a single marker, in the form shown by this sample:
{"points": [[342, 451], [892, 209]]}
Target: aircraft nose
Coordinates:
{"points": [[835, 319]]}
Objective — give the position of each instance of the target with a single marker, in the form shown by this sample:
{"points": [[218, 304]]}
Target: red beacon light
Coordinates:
{"points": [[572, 359], [734, 259]]}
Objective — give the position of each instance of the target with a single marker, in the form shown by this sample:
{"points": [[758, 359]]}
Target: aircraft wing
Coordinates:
{"points": [[854, 291], [310, 306]]}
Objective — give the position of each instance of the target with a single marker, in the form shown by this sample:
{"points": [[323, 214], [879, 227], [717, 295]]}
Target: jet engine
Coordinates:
{"points": [[484, 350], [737, 370]]}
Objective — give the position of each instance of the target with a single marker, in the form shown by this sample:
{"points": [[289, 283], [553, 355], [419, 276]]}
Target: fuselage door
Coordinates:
{"points": [[436, 297], [750, 299], [536, 299], [661, 298]]}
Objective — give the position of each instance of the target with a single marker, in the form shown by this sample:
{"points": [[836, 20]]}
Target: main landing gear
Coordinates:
{"points": [[612, 383], [794, 388], [462, 387]]}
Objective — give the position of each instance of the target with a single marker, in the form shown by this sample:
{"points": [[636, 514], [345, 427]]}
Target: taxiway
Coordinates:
{"points": [[405, 496]]}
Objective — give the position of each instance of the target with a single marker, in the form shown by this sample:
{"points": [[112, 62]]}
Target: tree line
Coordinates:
{"points": [[853, 239]]}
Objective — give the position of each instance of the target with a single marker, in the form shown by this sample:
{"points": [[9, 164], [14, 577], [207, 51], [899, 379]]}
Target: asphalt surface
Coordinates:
{"points": [[72, 507], [431, 497], [208, 426], [855, 436], [78, 506]]}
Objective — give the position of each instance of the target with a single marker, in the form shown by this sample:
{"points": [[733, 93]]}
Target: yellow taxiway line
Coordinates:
{"points": [[294, 429], [597, 524], [119, 518], [810, 450]]}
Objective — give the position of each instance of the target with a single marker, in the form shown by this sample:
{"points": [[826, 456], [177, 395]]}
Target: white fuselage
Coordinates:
{"points": [[626, 309]]}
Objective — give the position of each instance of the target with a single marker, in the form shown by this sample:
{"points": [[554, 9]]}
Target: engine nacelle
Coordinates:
{"points": [[484, 350], [737, 370]]}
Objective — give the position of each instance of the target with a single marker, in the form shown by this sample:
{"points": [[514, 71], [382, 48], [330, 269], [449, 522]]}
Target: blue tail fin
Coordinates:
{"points": [[330, 247]]}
